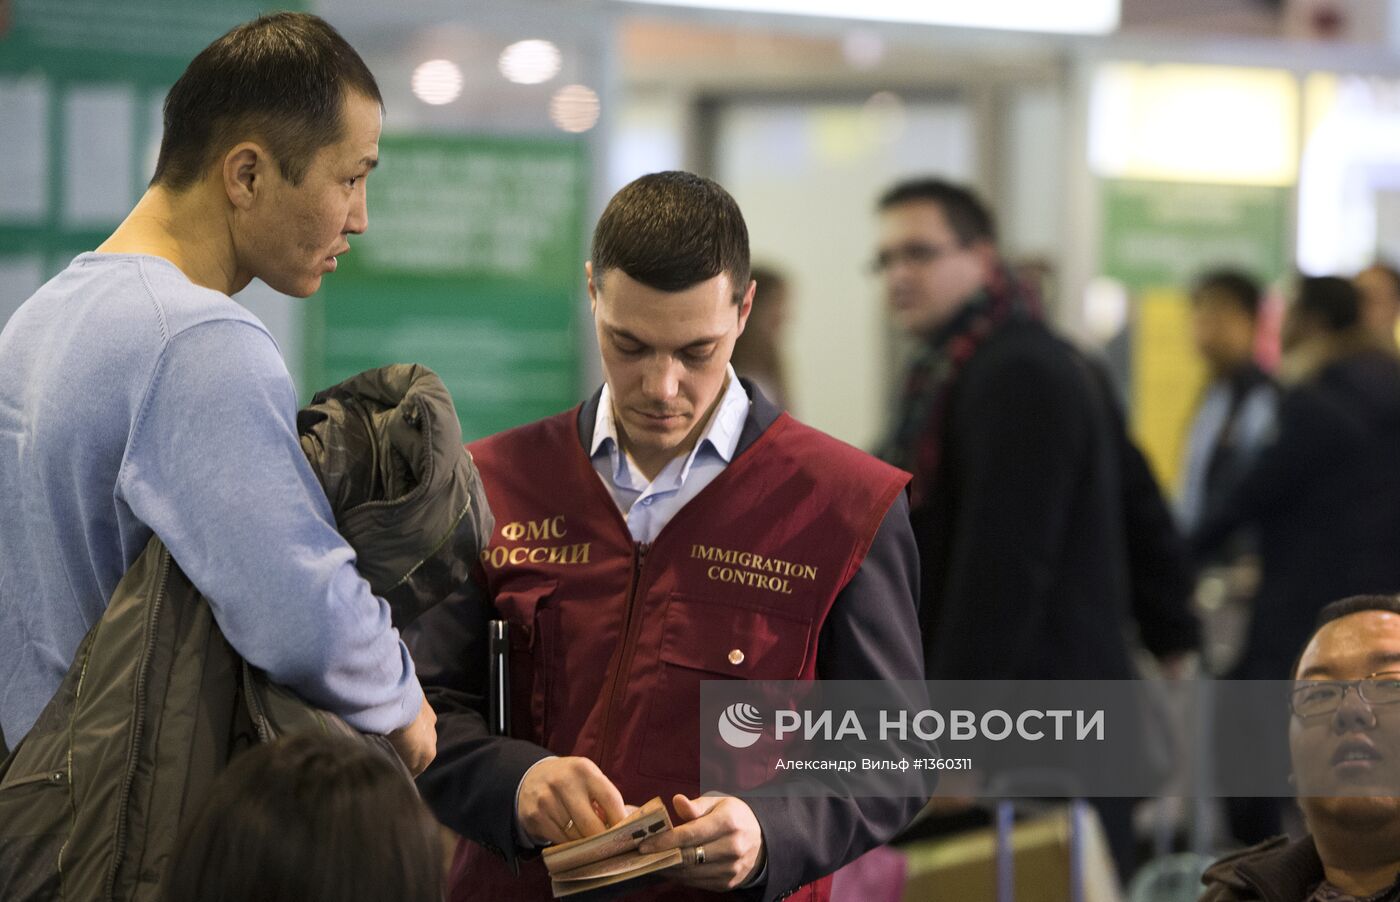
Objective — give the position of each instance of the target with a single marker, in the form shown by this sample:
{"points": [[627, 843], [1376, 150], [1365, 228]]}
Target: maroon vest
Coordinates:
{"points": [[611, 638]]}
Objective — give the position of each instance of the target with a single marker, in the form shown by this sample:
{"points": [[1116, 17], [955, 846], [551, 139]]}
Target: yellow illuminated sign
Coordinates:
{"points": [[1218, 124]]}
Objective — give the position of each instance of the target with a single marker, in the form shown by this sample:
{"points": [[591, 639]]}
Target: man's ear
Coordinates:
{"points": [[746, 306], [592, 286], [245, 167]]}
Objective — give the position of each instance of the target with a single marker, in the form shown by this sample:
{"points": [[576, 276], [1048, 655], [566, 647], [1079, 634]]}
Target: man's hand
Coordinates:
{"points": [[417, 742], [567, 798], [727, 831]]}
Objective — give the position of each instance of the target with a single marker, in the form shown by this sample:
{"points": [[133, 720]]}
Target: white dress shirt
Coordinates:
{"points": [[649, 506]]}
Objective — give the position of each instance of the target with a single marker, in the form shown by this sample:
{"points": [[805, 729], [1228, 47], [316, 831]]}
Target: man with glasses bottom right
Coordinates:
{"points": [[1346, 765]]}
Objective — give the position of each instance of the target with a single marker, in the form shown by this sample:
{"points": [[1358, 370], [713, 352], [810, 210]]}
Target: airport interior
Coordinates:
{"points": [[1067, 349]]}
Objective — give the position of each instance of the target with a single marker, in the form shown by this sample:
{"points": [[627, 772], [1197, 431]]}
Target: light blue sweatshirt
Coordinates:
{"points": [[133, 401]]}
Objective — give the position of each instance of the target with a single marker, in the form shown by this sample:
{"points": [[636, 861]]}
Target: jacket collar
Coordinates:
{"points": [[762, 414], [391, 437], [1277, 870]]}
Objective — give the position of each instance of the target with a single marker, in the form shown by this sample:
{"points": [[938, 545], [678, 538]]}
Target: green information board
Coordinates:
{"points": [[473, 266], [81, 88], [1163, 234], [1157, 238]]}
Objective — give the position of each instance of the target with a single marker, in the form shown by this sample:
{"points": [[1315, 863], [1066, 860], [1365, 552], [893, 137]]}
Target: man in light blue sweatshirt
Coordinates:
{"points": [[136, 397]]}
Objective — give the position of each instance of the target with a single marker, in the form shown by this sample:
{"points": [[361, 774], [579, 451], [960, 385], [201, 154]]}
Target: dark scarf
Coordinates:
{"points": [[916, 442]]}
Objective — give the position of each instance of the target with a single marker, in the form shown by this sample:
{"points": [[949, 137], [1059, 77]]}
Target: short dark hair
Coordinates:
{"points": [[1336, 610], [1237, 285], [967, 216], [282, 77], [1333, 302], [310, 817], [1354, 605], [673, 230]]}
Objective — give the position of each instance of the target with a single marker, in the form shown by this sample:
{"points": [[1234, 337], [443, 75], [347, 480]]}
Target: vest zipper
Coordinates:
{"points": [[624, 658], [137, 729]]}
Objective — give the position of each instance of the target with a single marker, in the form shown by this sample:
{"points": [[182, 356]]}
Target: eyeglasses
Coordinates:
{"points": [[1314, 698], [916, 253]]}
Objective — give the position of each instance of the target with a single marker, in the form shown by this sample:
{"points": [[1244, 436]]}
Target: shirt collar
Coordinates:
{"points": [[728, 422], [721, 435]]}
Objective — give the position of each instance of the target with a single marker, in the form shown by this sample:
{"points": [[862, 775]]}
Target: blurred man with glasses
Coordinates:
{"points": [[1039, 526], [1345, 707], [1021, 465]]}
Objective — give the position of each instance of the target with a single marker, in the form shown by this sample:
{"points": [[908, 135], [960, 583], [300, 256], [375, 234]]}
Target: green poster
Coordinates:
{"points": [[1163, 234], [473, 266], [1158, 237], [81, 88]]}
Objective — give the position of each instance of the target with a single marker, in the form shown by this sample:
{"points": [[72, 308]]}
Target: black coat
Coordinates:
{"points": [[1022, 538], [1324, 497]]}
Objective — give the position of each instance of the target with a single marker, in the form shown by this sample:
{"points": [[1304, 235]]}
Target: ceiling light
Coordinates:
{"points": [[863, 49], [437, 82], [530, 62], [574, 108]]}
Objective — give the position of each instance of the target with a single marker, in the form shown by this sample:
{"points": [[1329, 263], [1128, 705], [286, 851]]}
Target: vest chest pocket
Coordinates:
{"points": [[702, 640], [528, 612]]}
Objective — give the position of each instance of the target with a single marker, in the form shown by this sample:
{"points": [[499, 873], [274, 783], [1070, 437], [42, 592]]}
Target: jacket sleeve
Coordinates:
{"points": [[1022, 425], [471, 784], [1159, 561], [1160, 569], [872, 633]]}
